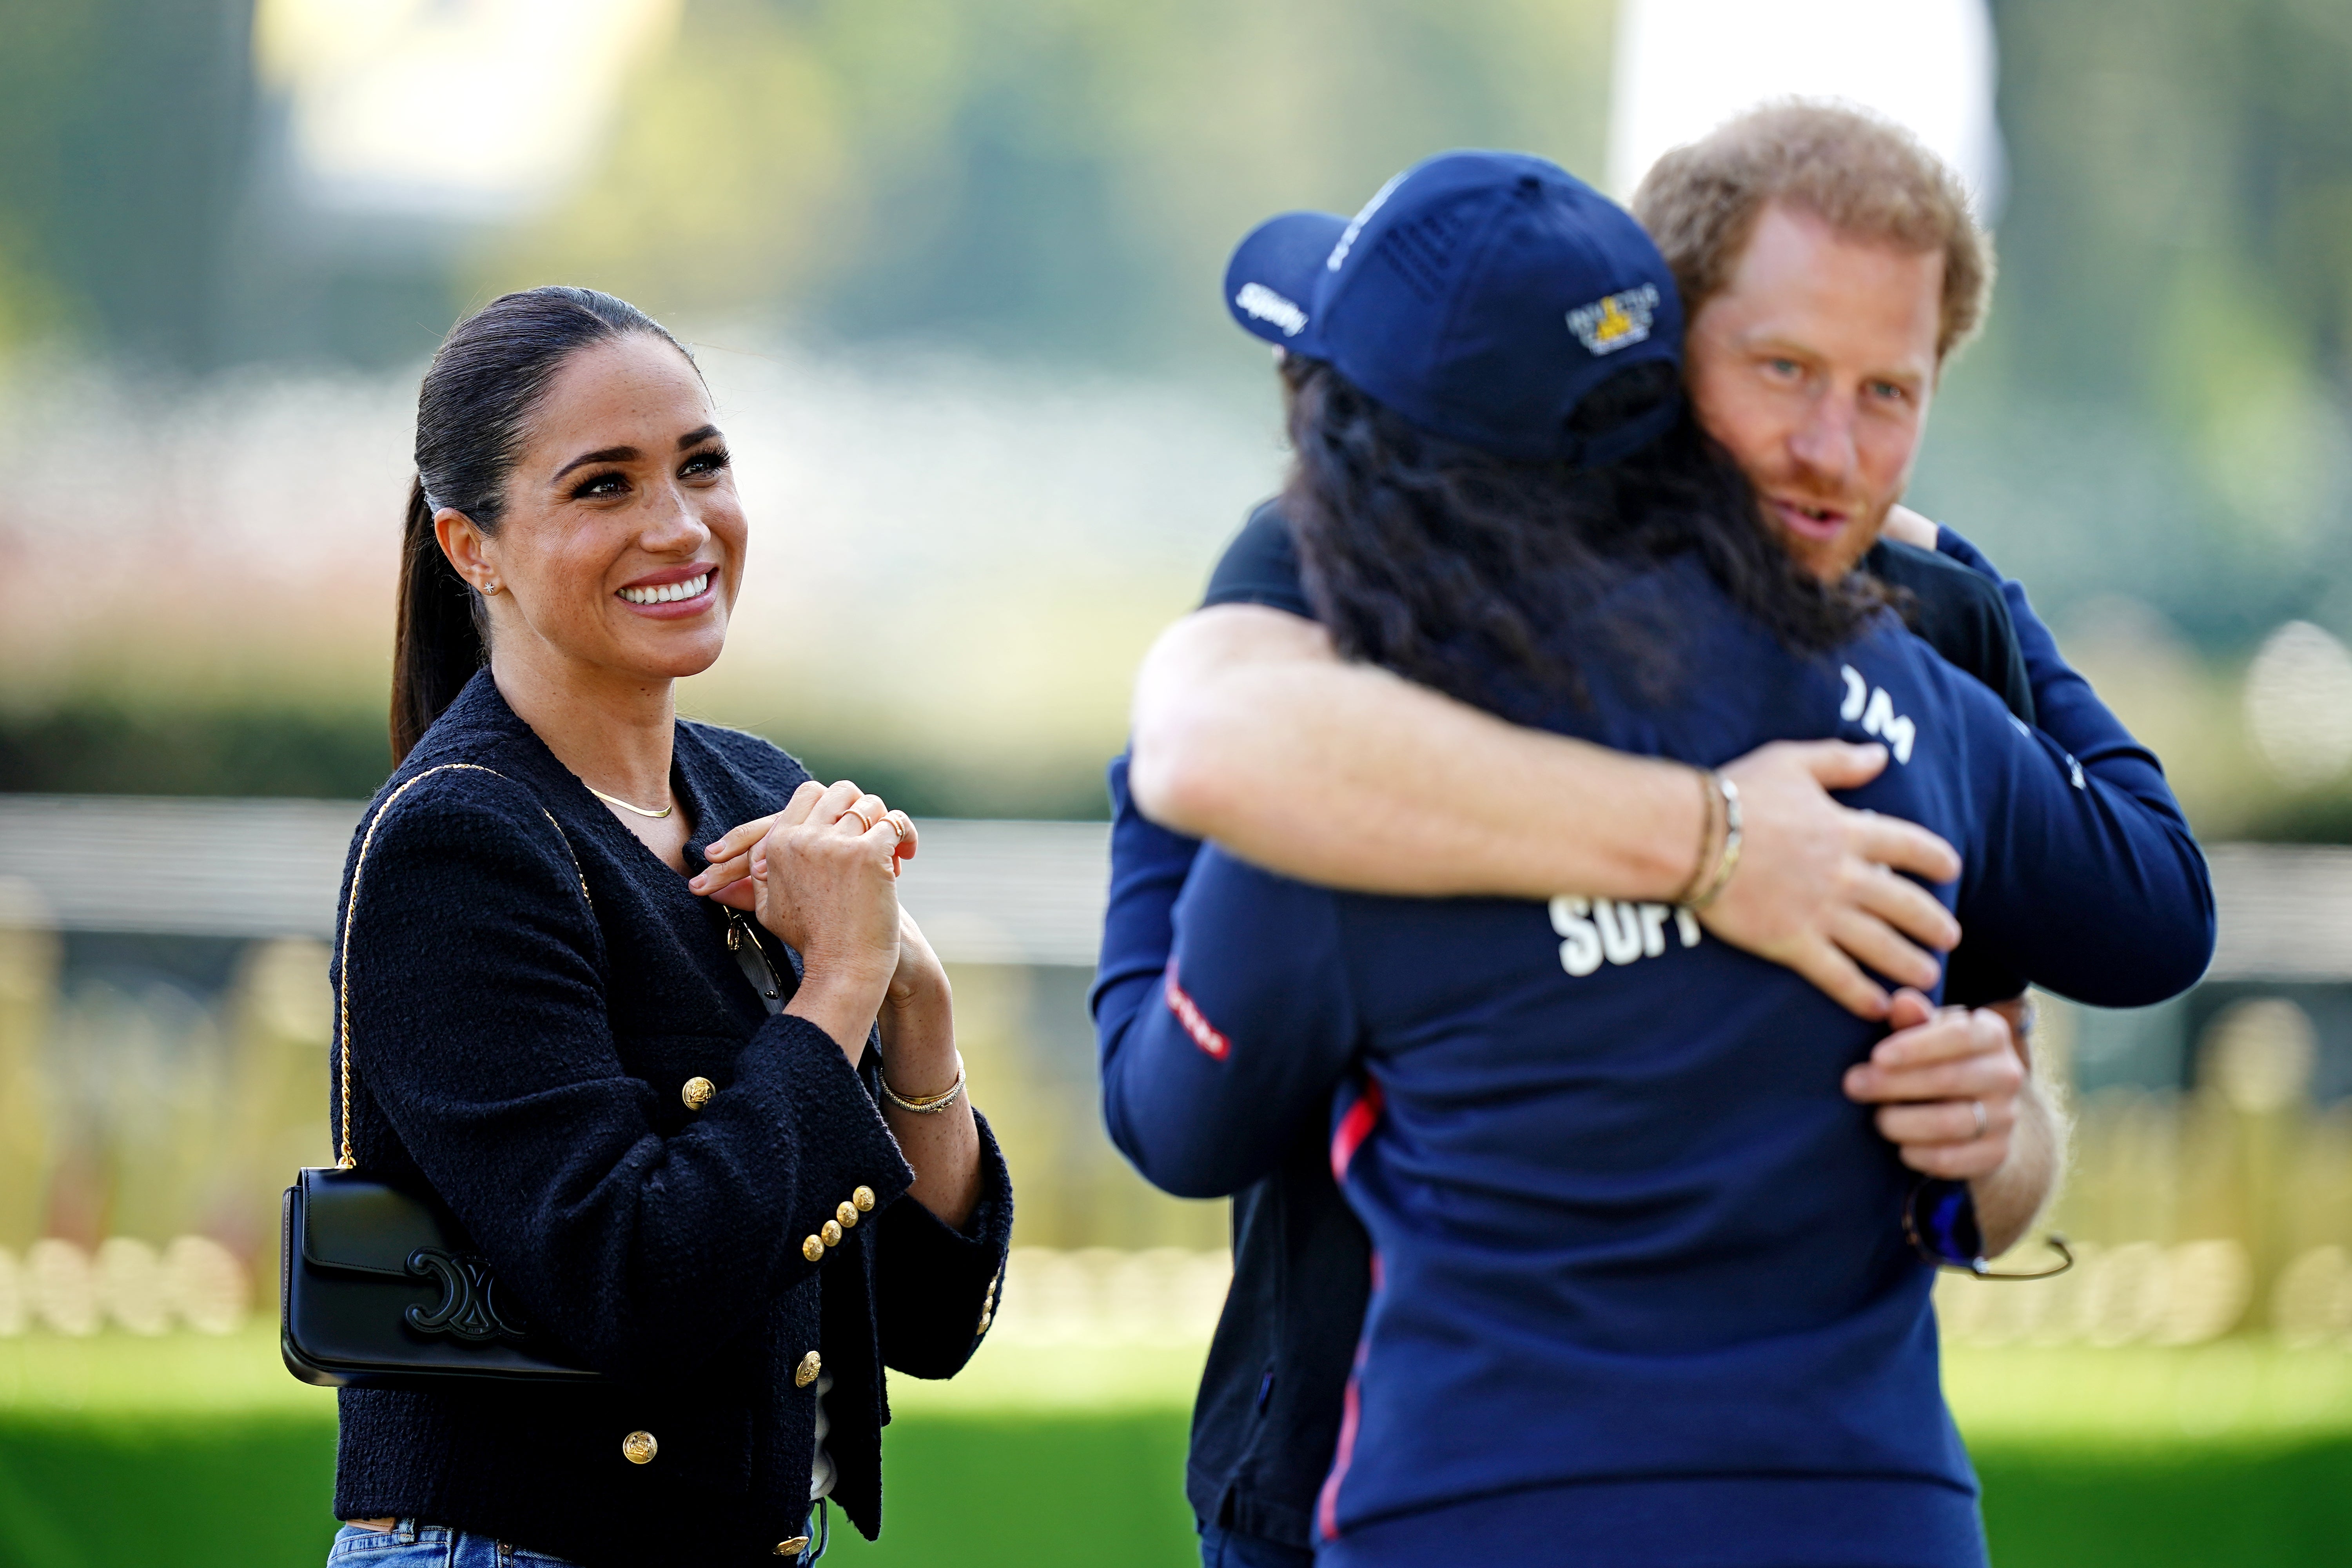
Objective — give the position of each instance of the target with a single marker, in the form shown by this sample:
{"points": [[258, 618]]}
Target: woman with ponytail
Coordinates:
{"points": [[738, 1208]]}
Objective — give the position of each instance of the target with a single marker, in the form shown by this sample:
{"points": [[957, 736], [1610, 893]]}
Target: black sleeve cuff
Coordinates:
{"points": [[797, 1087], [937, 1287]]}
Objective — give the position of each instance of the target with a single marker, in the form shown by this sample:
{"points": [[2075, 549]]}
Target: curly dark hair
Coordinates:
{"points": [[1490, 578]]}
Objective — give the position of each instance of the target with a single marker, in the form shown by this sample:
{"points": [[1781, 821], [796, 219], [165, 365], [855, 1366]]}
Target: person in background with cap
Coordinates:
{"points": [[1420, 562], [1252, 686]]}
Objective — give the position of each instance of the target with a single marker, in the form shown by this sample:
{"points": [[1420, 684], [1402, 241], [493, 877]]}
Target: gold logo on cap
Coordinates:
{"points": [[1617, 321]]}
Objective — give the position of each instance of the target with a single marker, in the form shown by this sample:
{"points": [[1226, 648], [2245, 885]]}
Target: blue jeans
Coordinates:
{"points": [[1230, 1549], [410, 1544]]}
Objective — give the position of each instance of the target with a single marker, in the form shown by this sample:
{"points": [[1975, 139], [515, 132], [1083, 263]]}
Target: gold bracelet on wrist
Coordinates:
{"points": [[1727, 858], [927, 1104], [1708, 792]]}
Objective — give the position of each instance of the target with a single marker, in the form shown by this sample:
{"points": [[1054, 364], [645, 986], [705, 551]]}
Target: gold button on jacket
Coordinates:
{"points": [[805, 1373], [813, 1249], [696, 1092], [988, 1306], [639, 1448], [864, 1198], [830, 1231], [847, 1215], [793, 1548]]}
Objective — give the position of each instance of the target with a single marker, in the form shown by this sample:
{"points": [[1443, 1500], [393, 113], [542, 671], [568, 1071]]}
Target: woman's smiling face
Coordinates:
{"points": [[621, 549]]}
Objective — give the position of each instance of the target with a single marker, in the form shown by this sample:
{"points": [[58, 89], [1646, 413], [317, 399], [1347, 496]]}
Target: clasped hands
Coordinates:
{"points": [[822, 876]]}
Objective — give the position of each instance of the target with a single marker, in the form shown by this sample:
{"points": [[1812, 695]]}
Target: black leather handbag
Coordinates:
{"points": [[379, 1285]]}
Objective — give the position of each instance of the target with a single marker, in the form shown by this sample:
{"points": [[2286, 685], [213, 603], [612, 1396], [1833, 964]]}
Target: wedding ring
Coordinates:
{"points": [[1977, 1106], [865, 823]]}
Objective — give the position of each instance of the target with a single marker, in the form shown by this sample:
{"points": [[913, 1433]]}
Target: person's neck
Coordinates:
{"points": [[614, 730]]}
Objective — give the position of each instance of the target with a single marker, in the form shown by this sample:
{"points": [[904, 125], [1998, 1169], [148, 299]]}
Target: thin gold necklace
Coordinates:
{"points": [[624, 806]]}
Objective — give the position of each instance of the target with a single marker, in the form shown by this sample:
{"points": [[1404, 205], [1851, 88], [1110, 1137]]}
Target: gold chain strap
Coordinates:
{"points": [[351, 908]]}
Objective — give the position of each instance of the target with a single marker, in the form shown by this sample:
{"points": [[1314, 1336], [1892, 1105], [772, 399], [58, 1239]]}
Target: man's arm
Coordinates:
{"points": [[1250, 730], [2066, 708], [2013, 1196]]}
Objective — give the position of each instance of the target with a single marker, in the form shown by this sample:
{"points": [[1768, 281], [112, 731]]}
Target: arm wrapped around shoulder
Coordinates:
{"points": [[480, 1031], [938, 1288]]}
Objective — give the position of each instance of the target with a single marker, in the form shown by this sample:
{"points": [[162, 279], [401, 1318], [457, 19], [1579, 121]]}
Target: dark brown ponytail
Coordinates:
{"points": [[436, 646], [471, 418]]}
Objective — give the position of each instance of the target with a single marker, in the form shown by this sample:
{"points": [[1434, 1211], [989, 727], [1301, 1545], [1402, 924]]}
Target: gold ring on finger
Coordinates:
{"points": [[866, 822], [900, 823]]}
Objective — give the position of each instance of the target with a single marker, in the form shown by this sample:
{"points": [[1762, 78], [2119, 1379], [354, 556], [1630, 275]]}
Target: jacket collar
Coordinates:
{"points": [[479, 727]]}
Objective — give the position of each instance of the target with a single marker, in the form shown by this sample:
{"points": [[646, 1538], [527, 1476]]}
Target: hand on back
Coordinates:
{"points": [[1907, 527], [1815, 889]]}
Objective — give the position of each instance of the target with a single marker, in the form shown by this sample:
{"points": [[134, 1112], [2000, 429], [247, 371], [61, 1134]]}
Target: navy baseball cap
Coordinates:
{"points": [[1480, 295]]}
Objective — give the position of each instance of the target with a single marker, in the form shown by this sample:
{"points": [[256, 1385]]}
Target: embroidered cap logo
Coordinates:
{"points": [[1616, 321], [1258, 301]]}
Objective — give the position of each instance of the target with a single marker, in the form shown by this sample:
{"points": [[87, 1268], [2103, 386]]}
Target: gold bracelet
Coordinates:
{"points": [[1708, 781], [1727, 861], [926, 1105]]}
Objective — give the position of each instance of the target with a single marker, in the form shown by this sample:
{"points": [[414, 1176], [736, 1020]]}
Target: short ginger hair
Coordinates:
{"points": [[1861, 173]]}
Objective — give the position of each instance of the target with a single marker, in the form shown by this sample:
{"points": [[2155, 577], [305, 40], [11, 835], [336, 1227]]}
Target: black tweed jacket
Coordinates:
{"points": [[520, 1043]]}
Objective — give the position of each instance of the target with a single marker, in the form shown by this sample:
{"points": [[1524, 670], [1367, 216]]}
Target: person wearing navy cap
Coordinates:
{"points": [[1512, 227], [1644, 1291]]}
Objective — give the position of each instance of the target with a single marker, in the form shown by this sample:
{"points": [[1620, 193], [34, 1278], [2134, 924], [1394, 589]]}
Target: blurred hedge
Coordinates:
{"points": [[98, 748], [109, 749]]}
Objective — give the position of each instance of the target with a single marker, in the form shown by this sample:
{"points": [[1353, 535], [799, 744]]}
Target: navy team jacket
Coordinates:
{"points": [[1641, 1290], [521, 1034]]}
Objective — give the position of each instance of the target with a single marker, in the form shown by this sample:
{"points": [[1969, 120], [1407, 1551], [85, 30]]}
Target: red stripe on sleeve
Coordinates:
{"points": [[1196, 1024]]}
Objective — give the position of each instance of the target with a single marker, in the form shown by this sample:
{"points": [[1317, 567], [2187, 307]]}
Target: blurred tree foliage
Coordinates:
{"points": [[1060, 178], [124, 142], [2161, 409], [2180, 227], [2160, 406]]}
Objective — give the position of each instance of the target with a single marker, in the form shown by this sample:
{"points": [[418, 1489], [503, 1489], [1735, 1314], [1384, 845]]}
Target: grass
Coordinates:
{"points": [[2274, 1504], [225, 1489], [109, 1443], [2238, 1453]]}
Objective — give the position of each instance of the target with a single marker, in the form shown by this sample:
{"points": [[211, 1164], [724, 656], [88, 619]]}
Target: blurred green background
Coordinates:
{"points": [[950, 268]]}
